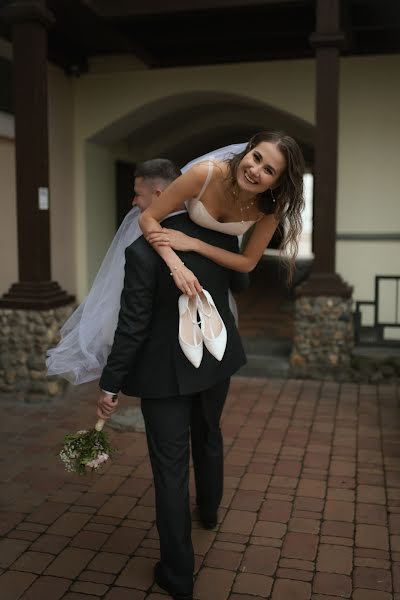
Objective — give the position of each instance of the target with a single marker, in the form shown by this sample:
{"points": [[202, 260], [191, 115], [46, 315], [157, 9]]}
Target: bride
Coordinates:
{"points": [[255, 185]]}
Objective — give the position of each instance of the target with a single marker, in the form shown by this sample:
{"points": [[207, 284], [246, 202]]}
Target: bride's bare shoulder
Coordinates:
{"points": [[201, 170]]}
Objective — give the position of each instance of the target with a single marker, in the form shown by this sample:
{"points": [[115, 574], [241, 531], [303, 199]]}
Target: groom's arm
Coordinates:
{"points": [[134, 315]]}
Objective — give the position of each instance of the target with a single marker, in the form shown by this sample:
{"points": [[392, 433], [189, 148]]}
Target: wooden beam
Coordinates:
{"points": [[124, 8]]}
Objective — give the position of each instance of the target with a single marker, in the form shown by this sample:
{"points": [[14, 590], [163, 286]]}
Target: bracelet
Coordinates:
{"points": [[176, 268]]}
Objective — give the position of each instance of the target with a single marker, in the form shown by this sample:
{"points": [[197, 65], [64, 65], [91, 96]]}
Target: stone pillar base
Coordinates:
{"points": [[323, 337], [25, 336]]}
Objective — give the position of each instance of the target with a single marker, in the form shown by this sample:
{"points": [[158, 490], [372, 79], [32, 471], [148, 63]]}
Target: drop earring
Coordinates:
{"points": [[272, 195]]}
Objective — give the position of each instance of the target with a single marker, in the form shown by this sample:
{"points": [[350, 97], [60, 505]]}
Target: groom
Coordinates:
{"points": [[180, 404]]}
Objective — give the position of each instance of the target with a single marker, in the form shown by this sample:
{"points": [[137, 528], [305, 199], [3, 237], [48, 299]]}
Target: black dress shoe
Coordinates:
{"points": [[209, 521], [162, 581]]}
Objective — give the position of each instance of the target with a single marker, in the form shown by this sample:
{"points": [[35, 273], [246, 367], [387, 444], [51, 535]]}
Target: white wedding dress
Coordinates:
{"points": [[87, 336]]}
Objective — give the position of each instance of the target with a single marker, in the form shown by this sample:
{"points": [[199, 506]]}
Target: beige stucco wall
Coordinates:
{"points": [[8, 221], [61, 175], [369, 167]]}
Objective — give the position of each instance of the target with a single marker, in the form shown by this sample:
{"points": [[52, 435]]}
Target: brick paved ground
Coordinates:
{"points": [[311, 507]]}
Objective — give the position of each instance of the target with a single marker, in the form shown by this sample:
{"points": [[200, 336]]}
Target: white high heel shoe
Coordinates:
{"points": [[212, 326], [190, 338]]}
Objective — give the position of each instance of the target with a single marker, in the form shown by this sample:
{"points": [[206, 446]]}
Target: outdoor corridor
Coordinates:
{"points": [[311, 508]]}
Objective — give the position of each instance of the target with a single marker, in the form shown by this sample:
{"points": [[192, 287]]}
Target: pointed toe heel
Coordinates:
{"points": [[212, 326], [190, 337]]}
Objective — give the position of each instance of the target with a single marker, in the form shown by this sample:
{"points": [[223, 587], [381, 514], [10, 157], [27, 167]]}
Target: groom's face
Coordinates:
{"points": [[144, 193]]}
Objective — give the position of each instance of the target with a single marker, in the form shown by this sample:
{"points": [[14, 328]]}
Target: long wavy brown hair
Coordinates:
{"points": [[287, 199]]}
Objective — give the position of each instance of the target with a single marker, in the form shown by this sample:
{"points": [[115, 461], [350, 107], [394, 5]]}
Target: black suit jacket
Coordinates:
{"points": [[146, 359]]}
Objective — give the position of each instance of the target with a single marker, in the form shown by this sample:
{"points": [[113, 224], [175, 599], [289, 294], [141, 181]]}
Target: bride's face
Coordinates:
{"points": [[261, 168]]}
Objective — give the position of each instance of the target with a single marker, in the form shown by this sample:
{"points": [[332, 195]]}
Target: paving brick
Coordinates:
{"points": [[372, 514], [335, 559], [247, 500], [363, 594], [335, 540], [310, 504], [337, 510], [300, 545], [269, 529], [294, 563], [97, 577], [33, 562], [372, 536], [89, 539], [47, 512], [124, 540], [68, 524], [223, 559], [372, 579], [118, 506], [91, 499], [272, 510], [107, 484], [311, 488], [202, 540], [213, 583], [304, 525], [260, 559], [50, 543], [10, 550], [294, 574], [285, 589], [251, 583], [371, 494], [337, 529], [86, 587], [120, 593], [254, 481], [107, 562], [8, 520], [70, 562], [14, 583], [332, 584], [238, 521], [138, 573], [47, 588]]}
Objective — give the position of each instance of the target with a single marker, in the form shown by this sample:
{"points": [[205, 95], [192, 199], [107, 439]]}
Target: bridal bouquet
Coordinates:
{"points": [[86, 449]]}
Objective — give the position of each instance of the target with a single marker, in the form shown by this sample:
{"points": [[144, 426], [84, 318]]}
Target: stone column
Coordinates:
{"points": [[323, 338], [33, 309]]}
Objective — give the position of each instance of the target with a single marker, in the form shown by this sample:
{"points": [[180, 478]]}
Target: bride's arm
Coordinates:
{"points": [[188, 185], [245, 262]]}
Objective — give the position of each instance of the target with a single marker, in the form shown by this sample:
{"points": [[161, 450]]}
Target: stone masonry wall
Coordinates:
{"points": [[323, 337], [25, 336]]}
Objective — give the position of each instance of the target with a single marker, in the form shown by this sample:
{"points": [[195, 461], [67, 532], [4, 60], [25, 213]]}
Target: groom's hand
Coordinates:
{"points": [[106, 405]]}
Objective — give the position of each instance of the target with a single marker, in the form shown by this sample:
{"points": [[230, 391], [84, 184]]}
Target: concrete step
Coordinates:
{"points": [[265, 365]]}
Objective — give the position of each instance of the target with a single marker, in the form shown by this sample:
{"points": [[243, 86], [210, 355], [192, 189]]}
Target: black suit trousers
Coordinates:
{"points": [[171, 425]]}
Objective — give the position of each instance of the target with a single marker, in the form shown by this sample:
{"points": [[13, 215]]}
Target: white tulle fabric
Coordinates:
{"points": [[87, 336]]}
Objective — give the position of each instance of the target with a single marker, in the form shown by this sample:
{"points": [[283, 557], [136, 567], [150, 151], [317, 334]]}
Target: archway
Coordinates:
{"points": [[184, 126]]}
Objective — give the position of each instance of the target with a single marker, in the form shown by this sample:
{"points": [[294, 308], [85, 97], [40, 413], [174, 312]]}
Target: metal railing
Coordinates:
{"points": [[376, 333]]}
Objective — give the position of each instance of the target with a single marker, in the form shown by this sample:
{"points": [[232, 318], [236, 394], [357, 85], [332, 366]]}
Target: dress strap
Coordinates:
{"points": [[207, 181]]}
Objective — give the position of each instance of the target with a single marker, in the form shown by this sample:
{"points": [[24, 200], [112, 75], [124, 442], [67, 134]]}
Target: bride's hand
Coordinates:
{"points": [[172, 238], [185, 280]]}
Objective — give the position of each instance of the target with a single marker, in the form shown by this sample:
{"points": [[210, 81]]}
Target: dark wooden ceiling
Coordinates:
{"points": [[174, 33]]}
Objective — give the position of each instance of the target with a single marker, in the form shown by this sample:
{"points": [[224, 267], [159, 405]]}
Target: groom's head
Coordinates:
{"points": [[151, 178]]}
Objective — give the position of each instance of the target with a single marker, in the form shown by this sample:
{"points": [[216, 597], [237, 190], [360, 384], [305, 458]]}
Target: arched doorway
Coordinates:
{"points": [[188, 125]]}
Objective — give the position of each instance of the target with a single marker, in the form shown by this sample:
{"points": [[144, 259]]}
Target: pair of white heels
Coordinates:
{"points": [[212, 330]]}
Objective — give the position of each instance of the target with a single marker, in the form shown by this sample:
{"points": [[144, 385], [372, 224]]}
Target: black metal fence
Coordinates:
{"points": [[384, 330]]}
